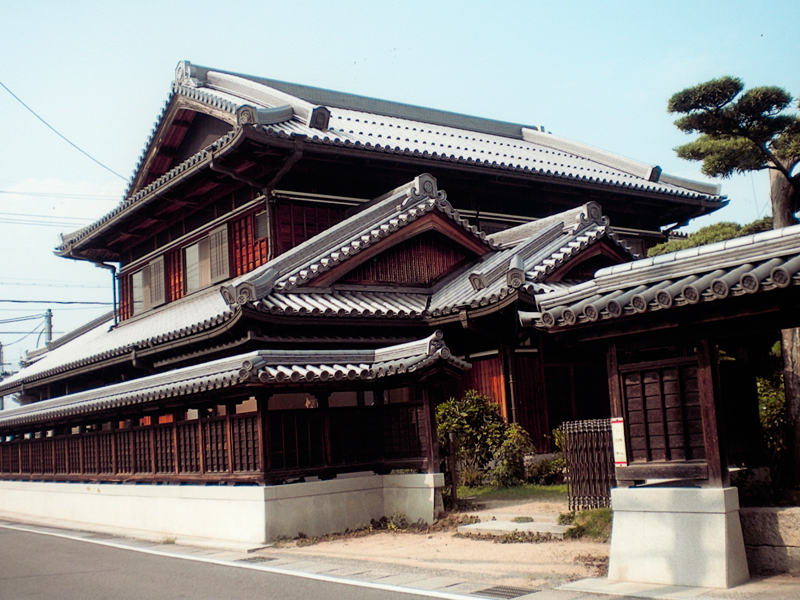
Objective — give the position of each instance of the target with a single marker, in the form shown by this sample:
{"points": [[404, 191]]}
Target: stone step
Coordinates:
{"points": [[503, 527]]}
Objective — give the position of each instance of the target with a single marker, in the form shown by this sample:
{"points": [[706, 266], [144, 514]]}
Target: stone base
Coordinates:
{"points": [[249, 514], [677, 536], [772, 539]]}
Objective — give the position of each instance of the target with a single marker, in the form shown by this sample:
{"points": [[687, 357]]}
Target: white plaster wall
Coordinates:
{"points": [[250, 515]]}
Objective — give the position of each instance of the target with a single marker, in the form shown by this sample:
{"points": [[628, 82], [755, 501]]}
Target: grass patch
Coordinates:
{"points": [[592, 524], [522, 520], [512, 537], [526, 491]]}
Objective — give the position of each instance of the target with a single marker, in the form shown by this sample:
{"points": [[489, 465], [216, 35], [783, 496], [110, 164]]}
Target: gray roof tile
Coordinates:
{"points": [[271, 367], [747, 265]]}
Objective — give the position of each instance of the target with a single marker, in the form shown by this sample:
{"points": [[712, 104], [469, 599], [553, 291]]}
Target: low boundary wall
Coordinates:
{"points": [[772, 539], [241, 514]]}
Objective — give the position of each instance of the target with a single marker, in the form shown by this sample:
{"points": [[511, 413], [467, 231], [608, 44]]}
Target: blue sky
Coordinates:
{"points": [[100, 72]]}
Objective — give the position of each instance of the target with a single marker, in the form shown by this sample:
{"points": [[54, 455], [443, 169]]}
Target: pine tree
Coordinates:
{"points": [[741, 132], [751, 131]]}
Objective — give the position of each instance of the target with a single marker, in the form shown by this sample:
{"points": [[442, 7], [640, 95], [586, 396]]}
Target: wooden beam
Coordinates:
{"points": [[695, 471]]}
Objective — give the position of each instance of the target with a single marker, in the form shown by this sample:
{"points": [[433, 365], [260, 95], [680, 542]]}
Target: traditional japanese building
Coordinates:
{"points": [[295, 297]]}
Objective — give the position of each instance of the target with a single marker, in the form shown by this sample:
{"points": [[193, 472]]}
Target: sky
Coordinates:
{"points": [[99, 73]]}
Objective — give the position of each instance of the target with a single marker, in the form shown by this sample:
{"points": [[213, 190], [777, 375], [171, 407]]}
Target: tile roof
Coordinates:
{"points": [[270, 367], [277, 109], [193, 314], [518, 260], [747, 265], [530, 254], [340, 243]]}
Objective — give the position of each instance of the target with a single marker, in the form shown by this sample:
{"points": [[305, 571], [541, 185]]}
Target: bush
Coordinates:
{"points": [[510, 457], [549, 471], [481, 438]]}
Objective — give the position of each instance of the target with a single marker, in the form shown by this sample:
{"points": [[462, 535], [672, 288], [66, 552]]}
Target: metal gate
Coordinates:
{"points": [[590, 463]]}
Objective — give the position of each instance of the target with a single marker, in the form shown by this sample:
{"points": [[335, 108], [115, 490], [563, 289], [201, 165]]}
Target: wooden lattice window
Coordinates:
{"points": [[249, 242], [173, 265], [245, 443], [297, 222], [662, 410]]}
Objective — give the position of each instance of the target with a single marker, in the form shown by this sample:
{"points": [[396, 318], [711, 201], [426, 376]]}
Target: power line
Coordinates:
{"points": [[18, 319], [56, 302], [76, 220], [61, 136], [63, 195], [57, 285], [23, 337]]}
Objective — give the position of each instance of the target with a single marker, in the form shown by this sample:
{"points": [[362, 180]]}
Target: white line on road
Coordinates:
{"points": [[257, 567]]}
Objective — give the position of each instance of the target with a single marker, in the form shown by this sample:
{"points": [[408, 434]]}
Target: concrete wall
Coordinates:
{"points": [[677, 536], [249, 515], [772, 539]]}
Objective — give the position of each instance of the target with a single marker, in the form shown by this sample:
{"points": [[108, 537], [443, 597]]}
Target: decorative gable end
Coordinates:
{"points": [[417, 255], [418, 262], [585, 263]]}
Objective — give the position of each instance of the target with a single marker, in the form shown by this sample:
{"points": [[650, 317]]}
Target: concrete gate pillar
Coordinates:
{"points": [[677, 536]]}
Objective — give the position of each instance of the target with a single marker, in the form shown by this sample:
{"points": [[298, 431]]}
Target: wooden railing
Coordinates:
{"points": [[292, 443]]}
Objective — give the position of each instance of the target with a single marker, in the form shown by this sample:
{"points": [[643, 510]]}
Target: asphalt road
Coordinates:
{"points": [[33, 565]]}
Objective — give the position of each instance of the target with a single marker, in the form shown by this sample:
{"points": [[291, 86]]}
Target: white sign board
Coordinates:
{"points": [[618, 440]]}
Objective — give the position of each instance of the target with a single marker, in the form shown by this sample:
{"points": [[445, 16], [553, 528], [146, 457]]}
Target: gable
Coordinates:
{"points": [[416, 255], [182, 132], [419, 261], [584, 265]]}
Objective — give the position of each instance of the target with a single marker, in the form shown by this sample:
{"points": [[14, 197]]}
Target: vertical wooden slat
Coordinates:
{"points": [[614, 389], [175, 446], [152, 432], [712, 428], [229, 435], [428, 427], [201, 443]]}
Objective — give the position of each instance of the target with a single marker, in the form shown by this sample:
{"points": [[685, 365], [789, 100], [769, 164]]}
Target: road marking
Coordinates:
{"points": [[257, 567]]}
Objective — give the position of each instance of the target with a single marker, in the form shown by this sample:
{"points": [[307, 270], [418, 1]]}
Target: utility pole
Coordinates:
{"points": [[48, 327], [2, 375]]}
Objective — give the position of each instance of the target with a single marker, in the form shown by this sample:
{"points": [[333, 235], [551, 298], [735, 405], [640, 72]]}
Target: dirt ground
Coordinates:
{"points": [[542, 564]]}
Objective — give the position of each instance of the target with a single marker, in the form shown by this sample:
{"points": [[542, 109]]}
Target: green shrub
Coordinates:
{"points": [[592, 524], [482, 438], [510, 457], [547, 472]]}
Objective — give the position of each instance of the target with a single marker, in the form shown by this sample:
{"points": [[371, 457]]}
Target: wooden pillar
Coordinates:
{"points": [[152, 429], [506, 354], [229, 434], [175, 446], [323, 399], [262, 432], [614, 389], [201, 446], [713, 431], [431, 442], [113, 450], [81, 442]]}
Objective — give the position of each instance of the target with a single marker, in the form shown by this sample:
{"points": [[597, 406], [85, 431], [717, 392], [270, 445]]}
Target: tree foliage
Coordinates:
{"points": [[743, 131], [717, 232], [482, 438]]}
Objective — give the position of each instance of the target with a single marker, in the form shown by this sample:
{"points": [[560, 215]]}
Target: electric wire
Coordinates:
{"points": [[61, 136], [57, 302]]}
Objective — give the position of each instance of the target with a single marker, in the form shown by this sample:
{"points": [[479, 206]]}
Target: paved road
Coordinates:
{"points": [[40, 566]]}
